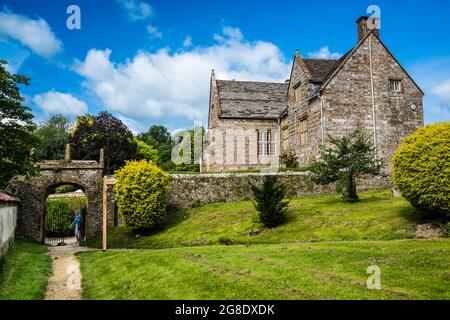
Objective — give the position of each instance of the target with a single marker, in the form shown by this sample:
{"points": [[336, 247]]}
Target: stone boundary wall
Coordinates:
{"points": [[194, 189]]}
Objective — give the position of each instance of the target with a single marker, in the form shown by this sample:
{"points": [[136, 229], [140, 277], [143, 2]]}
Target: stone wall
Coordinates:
{"points": [[301, 110], [186, 190], [345, 102], [231, 143], [235, 145], [33, 192], [348, 99]]}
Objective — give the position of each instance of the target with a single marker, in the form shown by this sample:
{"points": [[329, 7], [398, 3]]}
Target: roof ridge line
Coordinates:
{"points": [[252, 81], [320, 59]]}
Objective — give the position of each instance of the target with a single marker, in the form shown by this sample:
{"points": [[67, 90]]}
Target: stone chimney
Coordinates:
{"points": [[366, 24]]}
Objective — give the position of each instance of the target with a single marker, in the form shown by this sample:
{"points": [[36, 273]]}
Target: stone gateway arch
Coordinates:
{"points": [[33, 192]]}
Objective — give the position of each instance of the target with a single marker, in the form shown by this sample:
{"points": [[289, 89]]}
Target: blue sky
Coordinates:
{"points": [[149, 62]]}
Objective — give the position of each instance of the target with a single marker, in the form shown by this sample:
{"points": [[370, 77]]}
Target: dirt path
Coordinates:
{"points": [[65, 283]]}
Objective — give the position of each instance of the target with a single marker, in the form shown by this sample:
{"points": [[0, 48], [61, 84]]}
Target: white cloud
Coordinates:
{"points": [[154, 32], [324, 53], [15, 54], [136, 10], [432, 75], [135, 126], [187, 42], [229, 35], [57, 102], [34, 34], [442, 91], [174, 87]]}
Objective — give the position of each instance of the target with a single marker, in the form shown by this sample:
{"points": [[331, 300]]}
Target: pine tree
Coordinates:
{"points": [[270, 201]]}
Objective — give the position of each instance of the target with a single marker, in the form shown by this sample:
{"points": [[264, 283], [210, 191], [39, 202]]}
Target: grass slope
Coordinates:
{"points": [[24, 272], [410, 269], [379, 216]]}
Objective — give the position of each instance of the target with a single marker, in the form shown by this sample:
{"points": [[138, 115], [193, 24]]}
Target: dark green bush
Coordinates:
{"points": [[422, 168], [168, 166], [446, 230], [270, 201], [141, 195], [65, 189], [187, 168], [289, 158], [226, 241]]}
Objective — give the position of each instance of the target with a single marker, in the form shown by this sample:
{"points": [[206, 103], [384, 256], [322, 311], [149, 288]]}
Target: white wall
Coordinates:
{"points": [[8, 222]]}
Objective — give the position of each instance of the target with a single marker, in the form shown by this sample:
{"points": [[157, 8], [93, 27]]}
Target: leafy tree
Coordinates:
{"points": [[144, 151], [159, 138], [270, 201], [192, 166], [52, 136], [157, 135], [16, 127], [344, 160], [92, 133], [422, 168]]}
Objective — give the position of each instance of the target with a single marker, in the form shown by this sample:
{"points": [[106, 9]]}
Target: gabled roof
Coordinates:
{"points": [[328, 68], [341, 62], [252, 100], [263, 100], [318, 69]]}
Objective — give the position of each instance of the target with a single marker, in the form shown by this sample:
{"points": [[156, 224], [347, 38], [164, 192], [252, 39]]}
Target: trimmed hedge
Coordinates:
{"points": [[141, 195], [59, 215], [422, 168]]}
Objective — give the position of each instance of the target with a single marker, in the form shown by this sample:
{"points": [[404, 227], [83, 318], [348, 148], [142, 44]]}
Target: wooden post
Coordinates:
{"points": [[102, 157], [107, 181], [105, 216], [67, 158]]}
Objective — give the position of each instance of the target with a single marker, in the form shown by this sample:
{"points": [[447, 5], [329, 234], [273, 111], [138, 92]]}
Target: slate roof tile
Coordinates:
{"points": [[247, 99], [5, 197]]}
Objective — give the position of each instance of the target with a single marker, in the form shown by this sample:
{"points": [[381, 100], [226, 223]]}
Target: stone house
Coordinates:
{"points": [[251, 123]]}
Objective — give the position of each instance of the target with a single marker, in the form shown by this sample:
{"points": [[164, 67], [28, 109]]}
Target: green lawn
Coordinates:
{"points": [[379, 216], [24, 272], [321, 252], [410, 269]]}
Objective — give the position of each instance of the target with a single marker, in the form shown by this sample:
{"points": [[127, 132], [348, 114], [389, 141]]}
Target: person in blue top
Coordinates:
{"points": [[77, 220]]}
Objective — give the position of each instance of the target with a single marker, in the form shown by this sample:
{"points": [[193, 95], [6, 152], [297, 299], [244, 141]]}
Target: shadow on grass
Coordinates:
{"points": [[338, 199], [174, 217], [123, 237]]}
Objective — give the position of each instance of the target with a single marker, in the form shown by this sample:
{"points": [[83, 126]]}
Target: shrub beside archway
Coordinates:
{"points": [[141, 195]]}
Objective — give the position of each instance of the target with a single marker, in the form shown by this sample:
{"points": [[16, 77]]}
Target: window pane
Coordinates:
{"points": [[260, 136], [395, 85]]}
